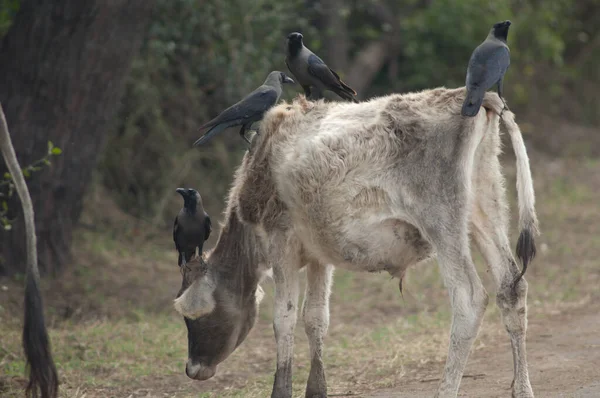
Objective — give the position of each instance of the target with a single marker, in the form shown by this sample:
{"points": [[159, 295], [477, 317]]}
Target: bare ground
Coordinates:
{"points": [[564, 358]]}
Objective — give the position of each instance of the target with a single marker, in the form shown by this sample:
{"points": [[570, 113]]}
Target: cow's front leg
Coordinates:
{"points": [[285, 275], [315, 313]]}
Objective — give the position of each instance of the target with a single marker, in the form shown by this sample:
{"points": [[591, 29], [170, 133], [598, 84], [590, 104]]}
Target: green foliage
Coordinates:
{"points": [[8, 10], [7, 186], [198, 58]]}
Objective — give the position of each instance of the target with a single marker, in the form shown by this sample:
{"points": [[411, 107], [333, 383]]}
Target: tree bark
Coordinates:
{"points": [[61, 78], [362, 69], [337, 41]]}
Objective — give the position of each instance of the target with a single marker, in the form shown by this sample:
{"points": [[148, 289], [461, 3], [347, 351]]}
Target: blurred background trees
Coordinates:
{"points": [[197, 57], [63, 65]]}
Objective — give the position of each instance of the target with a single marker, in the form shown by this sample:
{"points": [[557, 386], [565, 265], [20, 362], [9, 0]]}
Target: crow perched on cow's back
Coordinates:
{"points": [[249, 110], [487, 66], [192, 226], [312, 73]]}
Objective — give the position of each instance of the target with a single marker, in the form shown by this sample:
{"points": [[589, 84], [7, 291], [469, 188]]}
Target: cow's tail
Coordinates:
{"points": [[40, 365], [528, 222]]}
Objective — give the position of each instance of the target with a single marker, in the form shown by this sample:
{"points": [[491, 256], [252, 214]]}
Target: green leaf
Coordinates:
{"points": [[50, 146], [7, 227], [4, 205], [56, 151], [26, 173], [7, 176]]}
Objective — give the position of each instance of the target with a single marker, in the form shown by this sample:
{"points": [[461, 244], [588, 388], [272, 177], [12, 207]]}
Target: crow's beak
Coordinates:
{"points": [[288, 79], [181, 191], [507, 23]]}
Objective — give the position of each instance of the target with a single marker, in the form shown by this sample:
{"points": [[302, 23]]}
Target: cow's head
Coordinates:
{"points": [[219, 311]]}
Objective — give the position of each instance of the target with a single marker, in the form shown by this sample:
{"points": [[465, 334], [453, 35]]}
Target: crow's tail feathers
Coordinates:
{"points": [[343, 85], [210, 133], [346, 95], [472, 103], [347, 88]]}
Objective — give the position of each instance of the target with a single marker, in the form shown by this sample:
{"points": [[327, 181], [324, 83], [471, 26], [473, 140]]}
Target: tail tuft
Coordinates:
{"points": [[43, 377], [526, 251]]}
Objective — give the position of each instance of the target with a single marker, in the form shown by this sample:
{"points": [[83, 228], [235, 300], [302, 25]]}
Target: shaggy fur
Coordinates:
{"points": [[384, 185]]}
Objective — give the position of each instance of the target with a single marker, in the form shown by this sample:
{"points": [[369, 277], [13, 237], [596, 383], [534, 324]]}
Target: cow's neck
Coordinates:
{"points": [[234, 258]]}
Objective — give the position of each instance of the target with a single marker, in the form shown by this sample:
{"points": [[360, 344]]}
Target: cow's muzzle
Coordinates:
{"points": [[199, 371]]}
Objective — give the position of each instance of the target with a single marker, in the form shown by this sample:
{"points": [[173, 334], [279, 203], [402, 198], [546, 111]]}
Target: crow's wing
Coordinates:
{"points": [[342, 83], [321, 71], [288, 66], [488, 65], [207, 226], [250, 107], [176, 232]]}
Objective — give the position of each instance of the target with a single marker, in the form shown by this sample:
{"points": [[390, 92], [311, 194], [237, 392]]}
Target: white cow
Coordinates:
{"points": [[380, 185]]}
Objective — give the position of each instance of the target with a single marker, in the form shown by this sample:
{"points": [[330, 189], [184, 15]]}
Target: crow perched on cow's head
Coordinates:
{"points": [[192, 226]]}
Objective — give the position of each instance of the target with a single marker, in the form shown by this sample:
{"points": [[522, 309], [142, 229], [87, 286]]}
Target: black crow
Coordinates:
{"points": [[192, 226], [312, 73], [487, 66], [249, 110]]}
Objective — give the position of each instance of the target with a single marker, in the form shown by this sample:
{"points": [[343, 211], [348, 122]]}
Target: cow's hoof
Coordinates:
{"points": [[521, 390]]}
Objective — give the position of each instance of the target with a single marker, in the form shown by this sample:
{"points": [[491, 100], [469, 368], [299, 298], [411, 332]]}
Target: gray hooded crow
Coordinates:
{"points": [[249, 110], [312, 73], [192, 226], [487, 66]]}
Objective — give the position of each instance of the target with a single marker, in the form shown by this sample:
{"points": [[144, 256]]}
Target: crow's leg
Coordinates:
{"points": [[316, 94], [500, 90], [243, 130], [306, 91]]}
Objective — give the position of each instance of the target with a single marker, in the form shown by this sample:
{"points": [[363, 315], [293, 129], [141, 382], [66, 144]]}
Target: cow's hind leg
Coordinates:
{"points": [[468, 298], [315, 312], [490, 234], [284, 259]]}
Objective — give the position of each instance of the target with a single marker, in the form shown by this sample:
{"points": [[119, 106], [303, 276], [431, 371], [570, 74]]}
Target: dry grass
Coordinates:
{"points": [[114, 332]]}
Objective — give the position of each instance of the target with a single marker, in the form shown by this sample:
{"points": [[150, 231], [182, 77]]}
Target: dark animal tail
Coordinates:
{"points": [[38, 356], [473, 101], [527, 218], [42, 372]]}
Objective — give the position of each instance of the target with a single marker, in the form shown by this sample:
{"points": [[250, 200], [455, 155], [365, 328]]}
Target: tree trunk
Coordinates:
{"points": [[61, 77], [360, 71]]}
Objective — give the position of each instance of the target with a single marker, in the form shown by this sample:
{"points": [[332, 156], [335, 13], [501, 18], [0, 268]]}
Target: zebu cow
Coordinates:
{"points": [[380, 185]]}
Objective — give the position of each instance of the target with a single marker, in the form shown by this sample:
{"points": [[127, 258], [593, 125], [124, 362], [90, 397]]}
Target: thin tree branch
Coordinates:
{"points": [[8, 152]]}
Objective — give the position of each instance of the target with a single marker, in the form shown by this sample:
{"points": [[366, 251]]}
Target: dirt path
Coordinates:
{"points": [[564, 358]]}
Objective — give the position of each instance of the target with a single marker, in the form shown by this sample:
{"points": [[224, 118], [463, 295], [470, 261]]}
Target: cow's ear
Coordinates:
{"points": [[198, 299]]}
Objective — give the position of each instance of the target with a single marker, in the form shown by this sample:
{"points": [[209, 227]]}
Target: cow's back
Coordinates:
{"points": [[347, 176]]}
